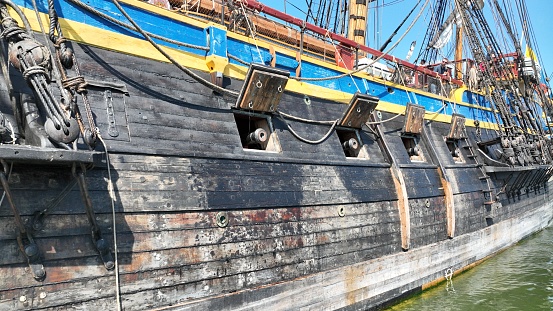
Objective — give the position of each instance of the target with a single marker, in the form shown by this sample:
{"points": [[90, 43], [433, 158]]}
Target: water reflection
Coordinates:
{"points": [[520, 278]]}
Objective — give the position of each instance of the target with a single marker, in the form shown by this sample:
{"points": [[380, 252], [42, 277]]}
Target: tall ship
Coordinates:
{"points": [[225, 155]]}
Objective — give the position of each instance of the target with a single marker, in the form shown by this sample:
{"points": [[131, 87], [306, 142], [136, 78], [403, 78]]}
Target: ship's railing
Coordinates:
{"points": [[273, 31], [423, 80]]}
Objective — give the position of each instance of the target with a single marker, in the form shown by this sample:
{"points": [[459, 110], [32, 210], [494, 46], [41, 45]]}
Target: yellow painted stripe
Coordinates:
{"points": [[439, 117], [319, 91], [113, 41], [101, 38], [324, 92]]}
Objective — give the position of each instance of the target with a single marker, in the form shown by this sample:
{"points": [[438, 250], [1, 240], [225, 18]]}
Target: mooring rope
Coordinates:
{"points": [[112, 199]]}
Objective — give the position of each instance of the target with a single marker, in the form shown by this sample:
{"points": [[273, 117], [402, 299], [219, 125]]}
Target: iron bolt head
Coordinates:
{"points": [[31, 250]]}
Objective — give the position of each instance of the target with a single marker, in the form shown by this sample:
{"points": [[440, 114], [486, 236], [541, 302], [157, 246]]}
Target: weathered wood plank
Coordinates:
{"points": [[168, 240], [63, 294], [183, 136], [428, 223], [130, 181], [191, 122], [173, 147], [422, 183]]}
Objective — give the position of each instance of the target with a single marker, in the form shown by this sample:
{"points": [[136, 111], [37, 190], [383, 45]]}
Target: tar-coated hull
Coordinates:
{"points": [[196, 218]]}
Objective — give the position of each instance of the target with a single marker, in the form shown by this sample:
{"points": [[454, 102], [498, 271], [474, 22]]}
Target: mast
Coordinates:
{"points": [[357, 26], [459, 53], [458, 44]]}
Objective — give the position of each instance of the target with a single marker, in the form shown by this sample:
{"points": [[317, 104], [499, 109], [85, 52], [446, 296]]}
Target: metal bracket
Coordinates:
{"points": [[30, 250], [25, 240], [99, 242], [112, 126]]}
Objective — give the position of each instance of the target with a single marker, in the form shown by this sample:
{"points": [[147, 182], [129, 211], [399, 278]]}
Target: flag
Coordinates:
{"points": [[529, 53], [444, 37]]}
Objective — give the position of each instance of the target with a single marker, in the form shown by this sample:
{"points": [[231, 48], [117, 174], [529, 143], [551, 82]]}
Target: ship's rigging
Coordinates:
{"points": [[508, 65], [509, 72]]}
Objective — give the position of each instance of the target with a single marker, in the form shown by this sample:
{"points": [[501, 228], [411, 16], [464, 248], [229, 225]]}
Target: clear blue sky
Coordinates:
{"points": [[540, 11]]}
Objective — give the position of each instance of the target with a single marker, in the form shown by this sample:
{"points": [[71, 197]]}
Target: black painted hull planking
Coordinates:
{"points": [[306, 226]]}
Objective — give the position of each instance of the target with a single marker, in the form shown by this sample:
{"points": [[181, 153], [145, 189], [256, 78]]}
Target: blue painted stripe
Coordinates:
{"points": [[160, 25], [176, 30]]}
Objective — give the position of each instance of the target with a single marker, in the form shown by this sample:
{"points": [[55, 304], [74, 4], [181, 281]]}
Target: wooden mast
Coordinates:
{"points": [[459, 53], [357, 26]]}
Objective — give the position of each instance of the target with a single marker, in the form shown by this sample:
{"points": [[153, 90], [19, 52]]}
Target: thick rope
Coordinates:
{"points": [[115, 249], [11, 31], [7, 178], [438, 111], [21, 15], [243, 62], [130, 27], [384, 121], [304, 120], [189, 72], [56, 72]]}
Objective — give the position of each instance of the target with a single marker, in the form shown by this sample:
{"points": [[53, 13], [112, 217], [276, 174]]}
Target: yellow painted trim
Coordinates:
{"points": [[458, 94], [116, 42], [194, 22], [319, 90], [188, 20], [458, 97], [485, 125], [216, 63], [212, 24], [138, 47]]}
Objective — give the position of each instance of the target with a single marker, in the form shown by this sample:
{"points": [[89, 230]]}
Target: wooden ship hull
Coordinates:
{"points": [[176, 209]]}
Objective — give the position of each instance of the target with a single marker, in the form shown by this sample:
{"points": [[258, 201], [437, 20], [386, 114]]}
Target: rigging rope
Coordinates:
{"points": [[247, 19], [374, 60], [21, 15], [436, 12], [67, 59], [342, 60], [7, 178], [33, 67]]}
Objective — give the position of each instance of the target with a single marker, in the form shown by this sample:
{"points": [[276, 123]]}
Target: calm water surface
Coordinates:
{"points": [[520, 278]]}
